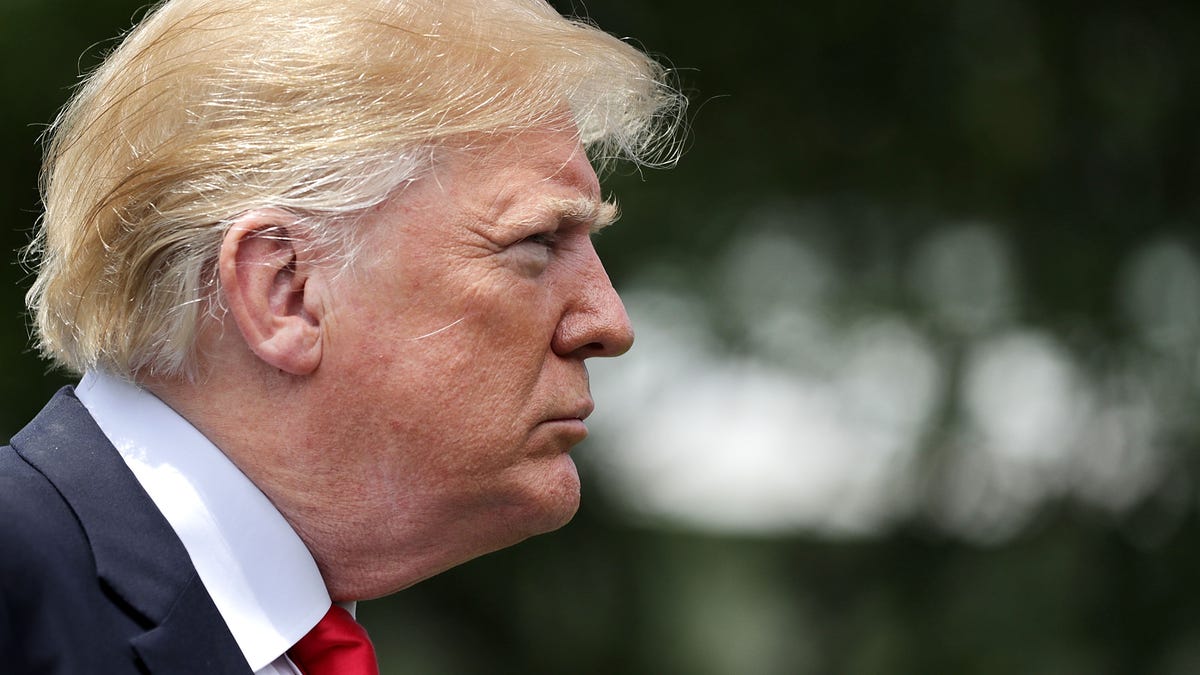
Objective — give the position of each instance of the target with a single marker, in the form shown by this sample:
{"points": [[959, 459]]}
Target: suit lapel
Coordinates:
{"points": [[138, 556], [186, 641]]}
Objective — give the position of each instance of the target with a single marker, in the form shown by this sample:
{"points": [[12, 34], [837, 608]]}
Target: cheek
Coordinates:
{"points": [[464, 358], [447, 394]]}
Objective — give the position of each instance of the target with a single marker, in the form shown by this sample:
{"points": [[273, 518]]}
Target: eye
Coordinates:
{"points": [[533, 254], [546, 239]]}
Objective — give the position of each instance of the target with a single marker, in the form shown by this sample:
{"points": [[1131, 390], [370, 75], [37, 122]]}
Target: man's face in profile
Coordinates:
{"points": [[456, 343]]}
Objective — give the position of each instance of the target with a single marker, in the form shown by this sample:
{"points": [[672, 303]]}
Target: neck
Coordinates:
{"points": [[266, 424]]}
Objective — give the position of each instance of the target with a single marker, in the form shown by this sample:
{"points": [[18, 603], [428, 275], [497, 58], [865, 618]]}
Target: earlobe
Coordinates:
{"points": [[270, 290]]}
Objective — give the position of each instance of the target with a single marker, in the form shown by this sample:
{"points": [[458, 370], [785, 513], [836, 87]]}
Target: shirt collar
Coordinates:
{"points": [[261, 577]]}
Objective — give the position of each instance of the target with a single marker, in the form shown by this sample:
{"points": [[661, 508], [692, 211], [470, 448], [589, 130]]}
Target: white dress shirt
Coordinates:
{"points": [[259, 573]]}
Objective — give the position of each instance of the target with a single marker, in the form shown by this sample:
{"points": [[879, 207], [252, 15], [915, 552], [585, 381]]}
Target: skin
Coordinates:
{"points": [[417, 411]]}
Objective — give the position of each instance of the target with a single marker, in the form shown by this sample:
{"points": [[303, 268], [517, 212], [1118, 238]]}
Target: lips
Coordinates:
{"points": [[578, 412], [584, 409]]}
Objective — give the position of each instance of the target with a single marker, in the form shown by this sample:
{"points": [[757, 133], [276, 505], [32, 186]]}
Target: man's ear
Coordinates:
{"points": [[267, 279]]}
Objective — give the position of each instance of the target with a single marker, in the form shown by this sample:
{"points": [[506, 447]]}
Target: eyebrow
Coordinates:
{"points": [[594, 213]]}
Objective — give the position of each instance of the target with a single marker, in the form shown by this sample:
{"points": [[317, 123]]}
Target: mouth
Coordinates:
{"points": [[571, 420], [579, 412]]}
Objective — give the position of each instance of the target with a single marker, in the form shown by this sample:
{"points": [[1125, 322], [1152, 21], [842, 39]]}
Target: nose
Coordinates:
{"points": [[595, 322]]}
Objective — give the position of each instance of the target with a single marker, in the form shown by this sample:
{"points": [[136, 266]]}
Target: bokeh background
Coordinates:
{"points": [[917, 379]]}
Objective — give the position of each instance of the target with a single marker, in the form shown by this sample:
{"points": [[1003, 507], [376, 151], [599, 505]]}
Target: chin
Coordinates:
{"points": [[553, 500]]}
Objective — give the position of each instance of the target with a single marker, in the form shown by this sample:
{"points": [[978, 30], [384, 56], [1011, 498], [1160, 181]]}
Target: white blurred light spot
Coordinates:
{"points": [[1160, 294], [1025, 396], [1118, 457], [771, 270], [890, 378], [1025, 404], [963, 275]]}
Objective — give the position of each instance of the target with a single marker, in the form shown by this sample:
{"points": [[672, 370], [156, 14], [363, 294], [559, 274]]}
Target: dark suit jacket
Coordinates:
{"points": [[92, 577]]}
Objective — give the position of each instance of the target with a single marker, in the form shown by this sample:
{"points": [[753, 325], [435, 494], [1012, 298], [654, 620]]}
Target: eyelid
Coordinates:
{"points": [[547, 238], [568, 214]]}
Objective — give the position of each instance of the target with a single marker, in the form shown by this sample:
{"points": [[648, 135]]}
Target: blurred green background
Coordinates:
{"points": [[918, 371]]}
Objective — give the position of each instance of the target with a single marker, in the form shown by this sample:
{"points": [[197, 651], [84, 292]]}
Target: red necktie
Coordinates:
{"points": [[337, 645]]}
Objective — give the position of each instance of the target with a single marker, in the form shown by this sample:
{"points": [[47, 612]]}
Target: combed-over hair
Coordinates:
{"points": [[209, 109]]}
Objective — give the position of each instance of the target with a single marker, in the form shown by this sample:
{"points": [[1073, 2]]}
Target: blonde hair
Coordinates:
{"points": [[211, 108]]}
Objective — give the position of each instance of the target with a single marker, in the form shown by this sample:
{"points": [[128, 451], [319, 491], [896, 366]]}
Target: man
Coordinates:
{"points": [[327, 270]]}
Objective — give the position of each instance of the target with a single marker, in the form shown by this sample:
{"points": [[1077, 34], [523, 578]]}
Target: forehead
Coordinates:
{"points": [[535, 170], [554, 157], [487, 182]]}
